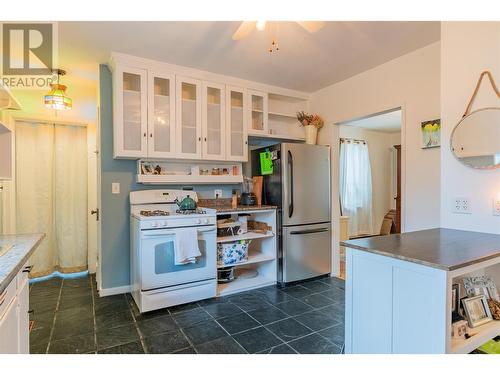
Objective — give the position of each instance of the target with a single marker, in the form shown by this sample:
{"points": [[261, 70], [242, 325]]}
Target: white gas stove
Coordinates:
{"points": [[158, 282]]}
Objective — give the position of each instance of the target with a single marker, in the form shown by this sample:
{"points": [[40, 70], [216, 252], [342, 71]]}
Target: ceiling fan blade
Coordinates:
{"points": [[245, 29], [311, 26]]}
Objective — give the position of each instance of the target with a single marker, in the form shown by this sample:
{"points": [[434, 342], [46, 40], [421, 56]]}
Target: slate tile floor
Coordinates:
{"points": [[70, 317]]}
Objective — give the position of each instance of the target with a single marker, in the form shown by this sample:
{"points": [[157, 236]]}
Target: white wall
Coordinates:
{"points": [[467, 48], [380, 146], [412, 82]]}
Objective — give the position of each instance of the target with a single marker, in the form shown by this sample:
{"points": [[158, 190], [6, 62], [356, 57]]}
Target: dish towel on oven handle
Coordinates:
{"points": [[186, 246]]}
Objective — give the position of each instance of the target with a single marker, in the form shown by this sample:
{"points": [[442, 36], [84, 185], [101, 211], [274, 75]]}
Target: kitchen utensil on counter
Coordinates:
{"points": [[257, 188], [247, 196]]}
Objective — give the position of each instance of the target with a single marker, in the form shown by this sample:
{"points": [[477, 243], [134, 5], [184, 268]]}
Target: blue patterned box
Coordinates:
{"points": [[232, 252]]}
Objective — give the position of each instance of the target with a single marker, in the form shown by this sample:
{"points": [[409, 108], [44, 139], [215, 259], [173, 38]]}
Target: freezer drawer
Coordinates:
{"points": [[306, 251]]}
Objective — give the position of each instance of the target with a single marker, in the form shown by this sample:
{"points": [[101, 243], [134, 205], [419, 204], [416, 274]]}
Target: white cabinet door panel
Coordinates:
{"points": [[372, 332]]}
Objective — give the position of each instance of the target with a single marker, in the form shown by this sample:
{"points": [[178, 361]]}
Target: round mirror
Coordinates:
{"points": [[475, 141]]}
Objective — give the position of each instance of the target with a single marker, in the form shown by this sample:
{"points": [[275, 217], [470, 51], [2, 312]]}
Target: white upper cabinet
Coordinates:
{"points": [[130, 113], [258, 112], [236, 124], [213, 121], [188, 107], [161, 115]]}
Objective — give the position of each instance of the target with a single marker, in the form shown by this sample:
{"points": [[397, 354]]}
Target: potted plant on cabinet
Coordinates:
{"points": [[311, 124]]}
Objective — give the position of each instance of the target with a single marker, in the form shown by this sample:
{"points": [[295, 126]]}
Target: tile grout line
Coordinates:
{"points": [[53, 326], [141, 338], [215, 320]]}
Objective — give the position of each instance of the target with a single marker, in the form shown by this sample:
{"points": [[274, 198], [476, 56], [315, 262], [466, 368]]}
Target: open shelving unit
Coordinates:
{"points": [[485, 332], [261, 255], [178, 173]]}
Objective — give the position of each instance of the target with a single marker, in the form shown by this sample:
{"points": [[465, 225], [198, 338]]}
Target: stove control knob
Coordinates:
{"points": [[164, 224], [197, 221], [205, 221], [154, 224]]}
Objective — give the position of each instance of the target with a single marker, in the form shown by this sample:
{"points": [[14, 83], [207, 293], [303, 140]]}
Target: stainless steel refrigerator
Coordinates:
{"points": [[297, 180]]}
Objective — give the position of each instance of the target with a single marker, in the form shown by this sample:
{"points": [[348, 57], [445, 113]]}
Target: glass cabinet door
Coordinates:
{"points": [[258, 112], [188, 118], [236, 124], [161, 115], [130, 138], [213, 128]]}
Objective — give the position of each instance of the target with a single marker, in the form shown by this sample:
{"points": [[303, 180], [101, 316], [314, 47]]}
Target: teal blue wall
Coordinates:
{"points": [[115, 210]]}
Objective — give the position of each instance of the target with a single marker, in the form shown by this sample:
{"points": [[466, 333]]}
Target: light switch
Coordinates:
{"points": [[115, 188]]}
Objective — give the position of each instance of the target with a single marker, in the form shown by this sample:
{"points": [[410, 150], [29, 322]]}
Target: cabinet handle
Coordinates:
{"points": [[145, 135], [246, 142], [151, 135], [205, 139], [27, 269], [199, 139]]}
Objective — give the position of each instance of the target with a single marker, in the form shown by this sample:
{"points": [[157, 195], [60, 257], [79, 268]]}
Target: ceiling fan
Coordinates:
{"points": [[247, 27]]}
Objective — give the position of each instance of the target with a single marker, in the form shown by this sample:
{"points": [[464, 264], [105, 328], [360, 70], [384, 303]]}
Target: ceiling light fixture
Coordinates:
{"points": [[57, 98]]}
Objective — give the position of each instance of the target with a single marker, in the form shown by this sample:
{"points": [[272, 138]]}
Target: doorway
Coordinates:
{"points": [[370, 177], [55, 180]]}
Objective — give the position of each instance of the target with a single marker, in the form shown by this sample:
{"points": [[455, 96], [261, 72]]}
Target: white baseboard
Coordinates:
{"points": [[112, 291]]}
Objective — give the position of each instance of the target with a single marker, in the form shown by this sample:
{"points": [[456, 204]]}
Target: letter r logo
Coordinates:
{"points": [[27, 48]]}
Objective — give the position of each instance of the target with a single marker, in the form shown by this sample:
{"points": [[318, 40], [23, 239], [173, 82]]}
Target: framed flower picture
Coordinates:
{"points": [[431, 133]]}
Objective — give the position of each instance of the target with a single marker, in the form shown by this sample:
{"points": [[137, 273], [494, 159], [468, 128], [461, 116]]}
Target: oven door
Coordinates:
{"points": [[158, 269]]}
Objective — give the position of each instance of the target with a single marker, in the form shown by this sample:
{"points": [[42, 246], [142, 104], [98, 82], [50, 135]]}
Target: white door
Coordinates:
{"points": [[236, 124], [130, 113], [258, 112], [92, 205], [213, 124], [161, 115], [188, 113]]}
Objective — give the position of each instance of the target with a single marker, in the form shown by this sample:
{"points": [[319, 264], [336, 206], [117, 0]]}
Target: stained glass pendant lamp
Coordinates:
{"points": [[57, 98]]}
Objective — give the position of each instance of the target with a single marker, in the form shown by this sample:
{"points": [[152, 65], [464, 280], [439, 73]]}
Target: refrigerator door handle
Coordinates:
{"points": [[309, 231], [290, 169]]}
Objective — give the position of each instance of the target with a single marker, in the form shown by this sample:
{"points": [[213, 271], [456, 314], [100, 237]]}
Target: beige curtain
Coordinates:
{"points": [[51, 193]]}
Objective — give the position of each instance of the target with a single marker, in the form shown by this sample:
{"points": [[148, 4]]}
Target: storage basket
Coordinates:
{"points": [[227, 228], [232, 252]]}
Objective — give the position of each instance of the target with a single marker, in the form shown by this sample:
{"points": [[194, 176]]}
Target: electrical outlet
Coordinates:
{"points": [[218, 193], [496, 206], [461, 205], [115, 188]]}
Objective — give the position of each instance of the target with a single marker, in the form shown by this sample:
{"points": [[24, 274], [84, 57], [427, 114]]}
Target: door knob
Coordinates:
{"points": [[95, 212]]}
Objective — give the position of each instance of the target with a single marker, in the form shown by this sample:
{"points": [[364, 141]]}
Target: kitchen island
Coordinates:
{"points": [[398, 290]]}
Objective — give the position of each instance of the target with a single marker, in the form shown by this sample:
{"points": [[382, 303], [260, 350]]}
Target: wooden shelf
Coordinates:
{"points": [[280, 114], [188, 179], [482, 334], [252, 259], [280, 137], [246, 236], [239, 285]]}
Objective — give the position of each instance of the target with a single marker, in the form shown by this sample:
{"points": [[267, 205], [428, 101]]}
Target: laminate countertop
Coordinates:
{"points": [[446, 249], [20, 247]]}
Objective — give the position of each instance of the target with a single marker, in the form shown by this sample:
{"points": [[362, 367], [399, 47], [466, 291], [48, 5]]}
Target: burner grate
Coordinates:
{"points": [[155, 213], [197, 211]]}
